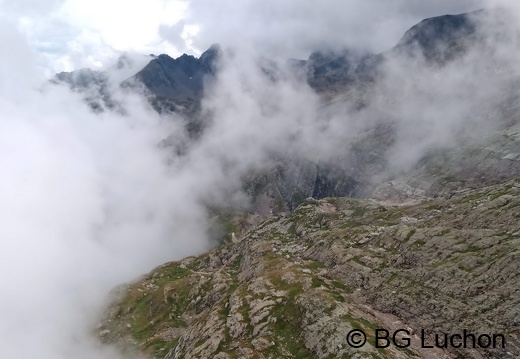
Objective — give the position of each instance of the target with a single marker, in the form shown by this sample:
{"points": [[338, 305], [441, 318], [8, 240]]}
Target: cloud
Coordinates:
{"points": [[123, 25], [71, 34], [88, 201], [425, 107], [296, 28]]}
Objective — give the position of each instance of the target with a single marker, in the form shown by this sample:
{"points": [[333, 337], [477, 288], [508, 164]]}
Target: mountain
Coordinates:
{"points": [[183, 78], [171, 81], [436, 40], [349, 78], [295, 286], [433, 36], [352, 79], [178, 79], [171, 85]]}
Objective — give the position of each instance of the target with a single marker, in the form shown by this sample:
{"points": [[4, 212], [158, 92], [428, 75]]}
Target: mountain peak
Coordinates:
{"points": [[440, 28], [180, 78], [209, 57]]}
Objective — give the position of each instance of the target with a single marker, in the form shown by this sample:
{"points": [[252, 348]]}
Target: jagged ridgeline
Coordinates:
{"points": [[355, 83], [352, 240]]}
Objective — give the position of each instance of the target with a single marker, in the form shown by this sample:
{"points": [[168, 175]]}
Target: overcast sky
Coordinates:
{"points": [[68, 34]]}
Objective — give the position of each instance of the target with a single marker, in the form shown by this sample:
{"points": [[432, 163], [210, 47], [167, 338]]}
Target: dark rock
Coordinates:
{"points": [[178, 79]]}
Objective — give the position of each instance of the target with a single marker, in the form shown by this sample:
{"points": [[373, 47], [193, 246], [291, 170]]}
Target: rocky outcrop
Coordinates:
{"points": [[296, 285]]}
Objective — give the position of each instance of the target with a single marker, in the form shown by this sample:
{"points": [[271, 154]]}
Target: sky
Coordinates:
{"points": [[71, 34]]}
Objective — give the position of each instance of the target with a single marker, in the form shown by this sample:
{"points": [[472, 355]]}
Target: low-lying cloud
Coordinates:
{"points": [[88, 201], [296, 28]]}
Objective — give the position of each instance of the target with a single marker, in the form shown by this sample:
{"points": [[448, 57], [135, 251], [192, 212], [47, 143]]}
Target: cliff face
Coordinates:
{"points": [[295, 286]]}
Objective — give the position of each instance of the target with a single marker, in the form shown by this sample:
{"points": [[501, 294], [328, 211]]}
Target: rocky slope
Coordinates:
{"points": [[295, 285]]}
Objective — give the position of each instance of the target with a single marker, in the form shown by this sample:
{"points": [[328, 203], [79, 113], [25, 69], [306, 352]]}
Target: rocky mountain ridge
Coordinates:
{"points": [[178, 79], [294, 286], [183, 78], [349, 83]]}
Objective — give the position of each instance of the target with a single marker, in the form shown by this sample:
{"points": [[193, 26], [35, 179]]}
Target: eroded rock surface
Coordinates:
{"points": [[294, 286]]}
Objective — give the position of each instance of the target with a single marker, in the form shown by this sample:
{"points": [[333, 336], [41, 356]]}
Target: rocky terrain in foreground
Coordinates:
{"points": [[296, 285]]}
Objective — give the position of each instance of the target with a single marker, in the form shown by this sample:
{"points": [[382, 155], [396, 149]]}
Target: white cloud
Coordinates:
{"points": [[67, 31], [123, 25], [284, 29], [88, 201]]}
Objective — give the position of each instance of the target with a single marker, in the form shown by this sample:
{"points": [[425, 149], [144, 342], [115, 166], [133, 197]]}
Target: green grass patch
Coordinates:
{"points": [[410, 234], [315, 265], [343, 287]]}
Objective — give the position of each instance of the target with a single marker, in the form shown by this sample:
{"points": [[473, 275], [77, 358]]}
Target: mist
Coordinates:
{"points": [[429, 106], [90, 200], [296, 28]]}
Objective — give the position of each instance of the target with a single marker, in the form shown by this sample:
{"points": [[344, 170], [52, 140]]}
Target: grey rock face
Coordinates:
{"points": [[294, 286], [178, 79], [432, 36]]}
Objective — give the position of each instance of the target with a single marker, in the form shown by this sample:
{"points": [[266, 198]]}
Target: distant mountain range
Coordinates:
{"points": [[183, 78], [350, 77]]}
